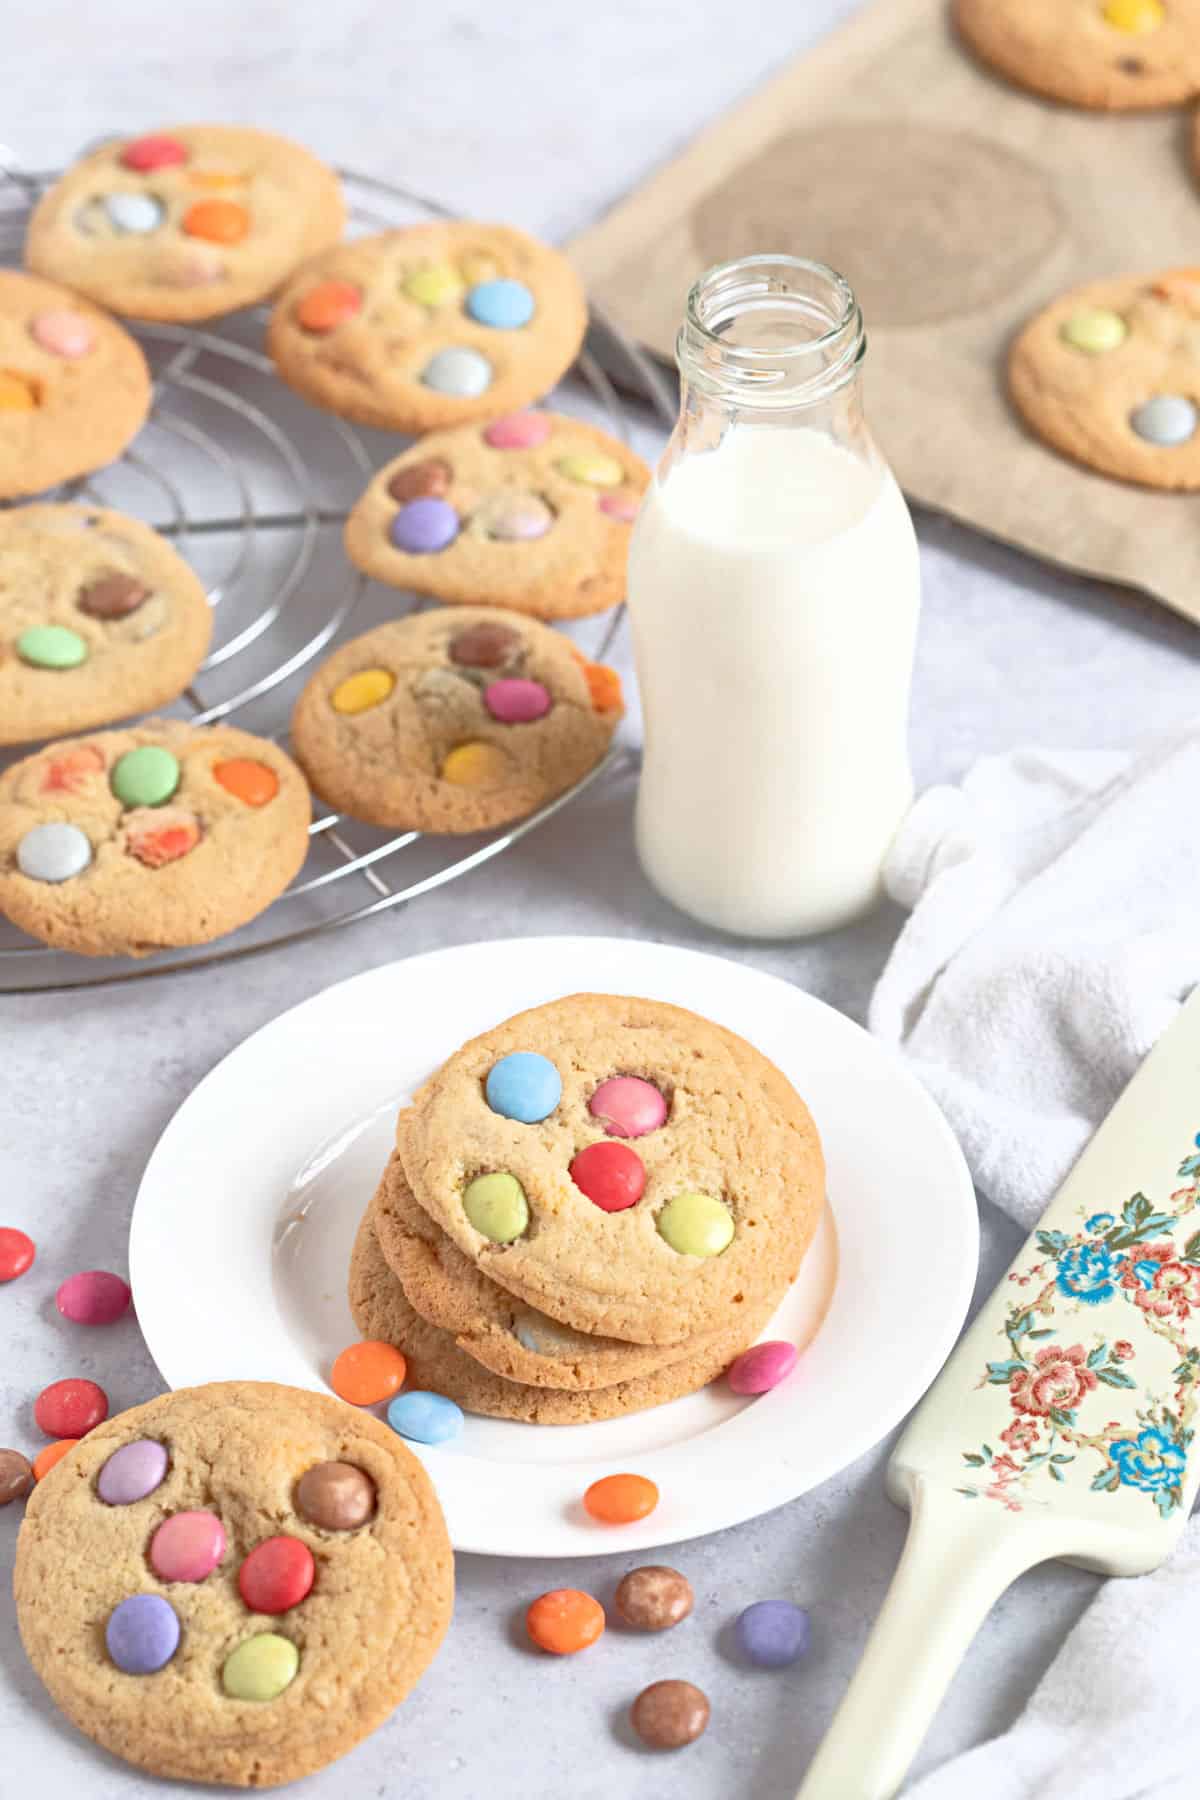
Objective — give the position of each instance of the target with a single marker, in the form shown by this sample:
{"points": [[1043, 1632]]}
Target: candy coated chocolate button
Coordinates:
{"points": [[216, 221], [52, 647], [619, 1499], [328, 305], [16, 1252], [70, 1408], [610, 1175], [276, 1575], [517, 517], [51, 1456], [425, 480], [669, 1714], [475, 765], [112, 596], [367, 1372], [135, 213], [458, 371], [1135, 16], [62, 332], [1095, 330], [627, 1106], [335, 1496], [132, 1472], [54, 852], [93, 1297], [523, 1085], [18, 393], [71, 772], [654, 1598], [762, 1367], [424, 526], [153, 152], [696, 1225], [142, 1634], [187, 1546], [260, 1668], [426, 1418], [16, 1476], [497, 1207], [773, 1633], [247, 780], [147, 776], [433, 285], [518, 431], [485, 646], [358, 693], [157, 836], [1165, 421], [505, 305], [564, 1621], [620, 506], [514, 701], [591, 467]]}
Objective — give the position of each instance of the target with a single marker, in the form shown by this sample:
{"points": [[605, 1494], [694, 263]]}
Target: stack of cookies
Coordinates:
{"points": [[591, 1209]]}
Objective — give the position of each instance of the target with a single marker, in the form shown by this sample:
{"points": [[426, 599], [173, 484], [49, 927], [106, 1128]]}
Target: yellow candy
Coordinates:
{"points": [[434, 286], [696, 1225], [475, 765], [1095, 329], [497, 1207], [591, 467], [17, 392], [359, 693], [260, 1668], [1136, 16]]}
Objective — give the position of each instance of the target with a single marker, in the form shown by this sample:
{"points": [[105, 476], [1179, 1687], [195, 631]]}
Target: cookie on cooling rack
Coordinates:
{"points": [[233, 1583], [429, 326], [99, 619], [156, 836], [186, 223], [1110, 54], [531, 512], [74, 386], [453, 721]]}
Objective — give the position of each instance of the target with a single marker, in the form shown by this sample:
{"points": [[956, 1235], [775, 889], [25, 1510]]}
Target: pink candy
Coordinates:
{"points": [[93, 1297], [762, 1367], [515, 702], [187, 1546], [518, 431], [619, 506], [628, 1107], [62, 332]]}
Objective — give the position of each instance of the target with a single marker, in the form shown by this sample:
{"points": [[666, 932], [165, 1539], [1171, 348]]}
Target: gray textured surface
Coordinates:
{"points": [[543, 116]]}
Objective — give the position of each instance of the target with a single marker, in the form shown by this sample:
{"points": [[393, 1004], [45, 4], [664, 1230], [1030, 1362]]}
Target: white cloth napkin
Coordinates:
{"points": [[1055, 930]]}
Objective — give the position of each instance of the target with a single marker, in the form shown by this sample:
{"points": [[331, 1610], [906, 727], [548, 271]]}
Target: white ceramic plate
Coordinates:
{"points": [[278, 1151]]}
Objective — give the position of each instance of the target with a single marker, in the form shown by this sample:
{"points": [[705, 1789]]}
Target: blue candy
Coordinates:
{"points": [[773, 1633], [504, 305], [524, 1086], [142, 1634], [428, 1418]]}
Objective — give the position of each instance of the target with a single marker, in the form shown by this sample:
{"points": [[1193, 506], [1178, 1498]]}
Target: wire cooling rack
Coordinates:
{"points": [[253, 487]]}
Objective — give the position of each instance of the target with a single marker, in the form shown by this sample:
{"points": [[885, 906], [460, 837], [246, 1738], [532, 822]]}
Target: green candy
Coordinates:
{"points": [[147, 776], [260, 1668], [1095, 330], [497, 1207], [696, 1225], [52, 647]]}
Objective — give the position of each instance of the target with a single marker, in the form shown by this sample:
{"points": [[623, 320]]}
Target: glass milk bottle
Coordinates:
{"points": [[774, 591]]}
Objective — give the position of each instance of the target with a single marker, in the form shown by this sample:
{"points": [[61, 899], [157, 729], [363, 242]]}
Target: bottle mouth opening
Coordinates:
{"points": [[772, 328]]}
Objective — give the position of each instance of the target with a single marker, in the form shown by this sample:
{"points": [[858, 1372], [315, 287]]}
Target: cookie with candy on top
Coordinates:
{"points": [[187, 222], [429, 326], [531, 511], [1107, 54]]}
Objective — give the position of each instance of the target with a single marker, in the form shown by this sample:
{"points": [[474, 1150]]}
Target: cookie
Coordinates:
{"points": [[704, 1206], [435, 1362], [1110, 54], [453, 721], [185, 223], [429, 326], [74, 386], [531, 512], [155, 836], [99, 619], [161, 1623], [1110, 375]]}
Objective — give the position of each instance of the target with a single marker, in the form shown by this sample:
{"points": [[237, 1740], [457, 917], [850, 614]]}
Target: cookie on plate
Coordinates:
{"points": [[623, 1165], [151, 837], [451, 721], [185, 223], [99, 618], [530, 512], [1110, 375], [1109, 54], [429, 326], [74, 386], [233, 1583]]}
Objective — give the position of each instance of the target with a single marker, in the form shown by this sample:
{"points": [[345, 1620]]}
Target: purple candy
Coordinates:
{"points": [[762, 1367], [132, 1472], [142, 1634], [424, 526], [515, 702], [773, 1633]]}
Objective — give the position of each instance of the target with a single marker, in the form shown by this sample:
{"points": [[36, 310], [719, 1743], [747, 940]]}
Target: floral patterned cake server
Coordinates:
{"points": [[1062, 1425]]}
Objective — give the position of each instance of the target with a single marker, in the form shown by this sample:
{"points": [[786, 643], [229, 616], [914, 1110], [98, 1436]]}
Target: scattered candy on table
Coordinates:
{"points": [[277, 1575], [669, 1714], [93, 1297], [772, 1634], [46, 1459], [187, 1546], [368, 1372], [619, 1499], [427, 1418], [762, 1367], [16, 1252], [70, 1408], [654, 1598], [16, 1476], [564, 1620]]}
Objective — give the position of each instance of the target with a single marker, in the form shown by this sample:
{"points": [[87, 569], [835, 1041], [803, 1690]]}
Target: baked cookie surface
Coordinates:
{"points": [[531, 512], [99, 618], [1110, 375], [209, 1676], [154, 836], [651, 1236], [74, 386], [1107, 54], [429, 326], [453, 720], [185, 223]]}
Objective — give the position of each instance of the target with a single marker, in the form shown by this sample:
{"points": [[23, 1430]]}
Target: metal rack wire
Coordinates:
{"points": [[253, 487]]}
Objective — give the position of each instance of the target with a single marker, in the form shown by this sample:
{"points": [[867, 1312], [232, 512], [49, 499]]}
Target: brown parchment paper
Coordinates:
{"points": [[957, 206]]}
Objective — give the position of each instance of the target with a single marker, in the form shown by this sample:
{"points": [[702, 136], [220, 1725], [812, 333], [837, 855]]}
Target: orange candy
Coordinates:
{"points": [[218, 221], [158, 835], [619, 1499], [564, 1620], [45, 1459], [18, 393], [328, 305], [1182, 288], [604, 685], [69, 773], [367, 1372], [247, 780]]}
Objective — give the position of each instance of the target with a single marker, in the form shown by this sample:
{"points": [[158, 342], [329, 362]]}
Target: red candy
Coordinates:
{"points": [[146, 153], [70, 1408], [627, 1106], [93, 1297], [276, 1575], [70, 772], [16, 1252], [611, 1175]]}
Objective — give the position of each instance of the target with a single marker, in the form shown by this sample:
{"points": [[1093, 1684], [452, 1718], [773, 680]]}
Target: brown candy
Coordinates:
{"points": [[654, 1598], [336, 1496], [485, 646], [112, 596], [669, 1714], [421, 481], [16, 1476]]}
